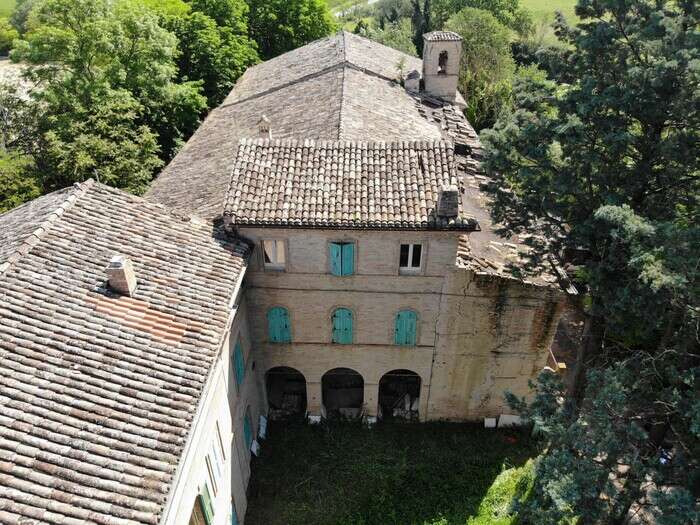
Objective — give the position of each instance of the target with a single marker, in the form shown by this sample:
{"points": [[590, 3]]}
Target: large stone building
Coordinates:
{"points": [[319, 248]]}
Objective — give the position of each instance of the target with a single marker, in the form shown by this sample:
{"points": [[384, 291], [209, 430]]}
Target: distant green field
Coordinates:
{"points": [[546, 8], [6, 7]]}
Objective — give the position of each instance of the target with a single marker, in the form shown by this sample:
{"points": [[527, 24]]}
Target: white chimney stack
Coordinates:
{"points": [[442, 51], [121, 276]]}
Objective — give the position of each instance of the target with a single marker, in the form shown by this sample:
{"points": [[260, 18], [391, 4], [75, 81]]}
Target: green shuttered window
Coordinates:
{"points": [[342, 255], [342, 326], [278, 326], [238, 363], [405, 329], [207, 507]]}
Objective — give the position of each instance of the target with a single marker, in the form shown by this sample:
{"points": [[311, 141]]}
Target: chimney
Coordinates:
{"points": [[121, 276], [264, 130], [442, 51], [448, 202], [412, 82]]}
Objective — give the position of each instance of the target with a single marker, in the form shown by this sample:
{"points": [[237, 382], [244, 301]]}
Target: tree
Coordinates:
{"points": [[102, 141], [507, 12], [20, 14], [8, 34], [396, 35], [600, 166], [487, 66], [83, 50], [279, 26], [421, 23]]}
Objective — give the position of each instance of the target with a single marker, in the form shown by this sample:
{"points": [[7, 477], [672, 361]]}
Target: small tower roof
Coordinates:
{"points": [[441, 36]]}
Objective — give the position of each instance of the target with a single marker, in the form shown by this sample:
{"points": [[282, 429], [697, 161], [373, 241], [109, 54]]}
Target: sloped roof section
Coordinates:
{"points": [[98, 391], [339, 184]]}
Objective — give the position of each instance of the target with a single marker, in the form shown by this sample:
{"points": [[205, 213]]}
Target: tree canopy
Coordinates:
{"points": [[487, 67], [600, 163], [279, 26]]}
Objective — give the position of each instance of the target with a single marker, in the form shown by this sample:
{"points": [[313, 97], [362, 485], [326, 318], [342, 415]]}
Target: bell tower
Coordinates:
{"points": [[442, 51]]}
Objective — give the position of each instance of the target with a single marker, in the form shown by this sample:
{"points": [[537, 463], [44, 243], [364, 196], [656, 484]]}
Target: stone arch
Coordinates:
{"points": [[399, 394], [286, 393], [342, 391]]}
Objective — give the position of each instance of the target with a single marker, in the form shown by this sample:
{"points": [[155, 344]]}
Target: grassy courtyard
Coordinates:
{"points": [[436, 473]]}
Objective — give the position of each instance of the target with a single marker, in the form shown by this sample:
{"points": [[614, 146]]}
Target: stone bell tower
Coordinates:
{"points": [[442, 51]]}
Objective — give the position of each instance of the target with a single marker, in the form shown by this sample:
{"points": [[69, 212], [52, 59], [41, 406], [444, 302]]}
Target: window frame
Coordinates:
{"points": [[352, 325], [341, 243], [274, 266], [412, 270], [415, 331], [238, 350], [289, 323]]}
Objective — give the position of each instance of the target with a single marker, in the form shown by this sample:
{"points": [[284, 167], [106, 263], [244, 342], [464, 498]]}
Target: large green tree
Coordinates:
{"points": [[487, 67], [85, 50], [600, 166], [8, 34], [279, 26]]}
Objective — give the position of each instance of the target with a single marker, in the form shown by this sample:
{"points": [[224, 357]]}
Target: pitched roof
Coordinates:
{"points": [[442, 36], [98, 391], [338, 184], [343, 87]]}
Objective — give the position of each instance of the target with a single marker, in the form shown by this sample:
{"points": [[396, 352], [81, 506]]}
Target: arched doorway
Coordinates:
{"points": [[343, 392], [399, 395], [286, 393]]}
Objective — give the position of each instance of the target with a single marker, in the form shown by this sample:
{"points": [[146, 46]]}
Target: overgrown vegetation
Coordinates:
{"points": [[435, 473]]}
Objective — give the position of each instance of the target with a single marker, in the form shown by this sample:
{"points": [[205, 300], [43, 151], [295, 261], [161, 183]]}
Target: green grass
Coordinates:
{"points": [[342, 474], [544, 9], [6, 7]]}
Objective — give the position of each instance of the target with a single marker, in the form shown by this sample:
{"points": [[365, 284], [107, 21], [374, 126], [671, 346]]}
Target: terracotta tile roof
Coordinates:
{"points": [[442, 36], [339, 88], [98, 391], [342, 184]]}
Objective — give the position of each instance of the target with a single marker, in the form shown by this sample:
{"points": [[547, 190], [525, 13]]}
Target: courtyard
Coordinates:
{"points": [[395, 473]]}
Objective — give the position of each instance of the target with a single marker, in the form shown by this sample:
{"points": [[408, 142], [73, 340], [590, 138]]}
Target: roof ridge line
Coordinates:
{"points": [[33, 238], [342, 89]]}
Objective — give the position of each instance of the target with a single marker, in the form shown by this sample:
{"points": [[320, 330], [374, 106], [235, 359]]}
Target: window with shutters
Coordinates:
{"points": [[278, 326], [410, 258], [203, 513], [238, 363], [342, 258], [405, 328], [342, 326], [248, 428], [274, 254], [210, 470]]}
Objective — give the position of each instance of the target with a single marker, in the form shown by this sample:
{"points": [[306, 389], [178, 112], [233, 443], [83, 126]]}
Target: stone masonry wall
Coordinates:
{"points": [[476, 335]]}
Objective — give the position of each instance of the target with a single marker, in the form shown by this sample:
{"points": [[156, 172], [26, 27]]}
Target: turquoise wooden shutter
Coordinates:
{"points": [[405, 329], [348, 258], [342, 326], [336, 258], [278, 328], [234, 516], [207, 507], [238, 363], [247, 429]]}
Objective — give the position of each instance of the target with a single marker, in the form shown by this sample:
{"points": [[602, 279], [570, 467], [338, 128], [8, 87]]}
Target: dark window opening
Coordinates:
{"points": [[399, 395], [442, 63], [343, 392]]}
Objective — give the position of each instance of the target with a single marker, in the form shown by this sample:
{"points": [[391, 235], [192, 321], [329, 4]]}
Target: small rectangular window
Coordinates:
{"points": [[342, 255], [274, 254], [238, 363], [214, 487], [207, 506], [220, 441], [410, 258]]}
